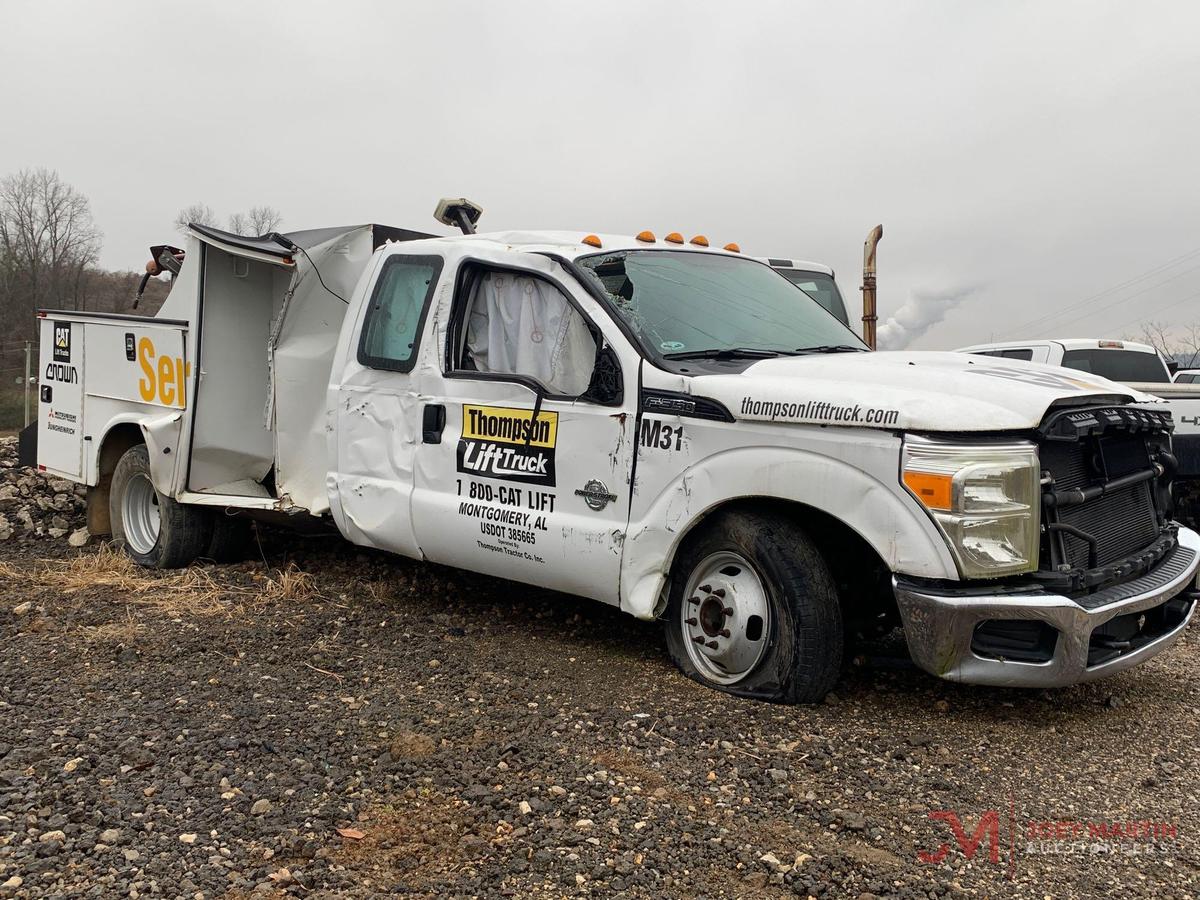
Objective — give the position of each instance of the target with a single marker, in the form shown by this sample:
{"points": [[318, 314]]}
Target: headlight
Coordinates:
{"points": [[985, 499]]}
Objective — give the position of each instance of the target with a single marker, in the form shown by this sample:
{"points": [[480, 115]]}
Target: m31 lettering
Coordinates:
{"points": [[655, 434]]}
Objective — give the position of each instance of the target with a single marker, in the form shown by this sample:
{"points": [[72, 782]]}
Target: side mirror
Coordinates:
{"points": [[606, 388], [1172, 366]]}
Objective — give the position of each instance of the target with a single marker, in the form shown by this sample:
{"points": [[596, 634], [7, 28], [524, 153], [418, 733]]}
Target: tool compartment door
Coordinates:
{"points": [[60, 397]]}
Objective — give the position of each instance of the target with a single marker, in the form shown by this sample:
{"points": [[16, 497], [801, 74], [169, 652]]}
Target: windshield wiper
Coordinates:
{"points": [[831, 348], [724, 353]]}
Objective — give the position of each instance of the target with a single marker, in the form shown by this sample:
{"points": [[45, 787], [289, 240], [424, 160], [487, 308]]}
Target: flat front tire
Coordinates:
{"points": [[754, 611], [156, 531]]}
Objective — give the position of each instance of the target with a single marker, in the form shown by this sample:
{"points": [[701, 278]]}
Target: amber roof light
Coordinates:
{"points": [[674, 237], [591, 240], [733, 248], [646, 237], [699, 240]]}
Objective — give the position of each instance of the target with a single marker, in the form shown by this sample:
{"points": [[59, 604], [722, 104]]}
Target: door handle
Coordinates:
{"points": [[433, 421]]}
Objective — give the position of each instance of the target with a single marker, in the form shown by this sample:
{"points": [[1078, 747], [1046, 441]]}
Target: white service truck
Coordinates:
{"points": [[1139, 366], [653, 423]]}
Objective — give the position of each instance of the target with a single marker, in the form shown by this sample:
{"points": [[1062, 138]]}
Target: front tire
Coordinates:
{"points": [[155, 531], [754, 611]]}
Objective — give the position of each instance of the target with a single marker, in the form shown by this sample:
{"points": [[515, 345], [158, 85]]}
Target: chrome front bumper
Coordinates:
{"points": [[940, 623]]}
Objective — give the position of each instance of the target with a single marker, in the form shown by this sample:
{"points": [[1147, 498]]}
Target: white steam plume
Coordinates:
{"points": [[923, 309]]}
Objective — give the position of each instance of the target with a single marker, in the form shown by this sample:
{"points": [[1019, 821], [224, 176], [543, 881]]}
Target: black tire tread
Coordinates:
{"points": [[184, 531], [805, 660]]}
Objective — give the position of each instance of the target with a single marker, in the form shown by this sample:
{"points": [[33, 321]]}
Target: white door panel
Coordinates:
{"points": [[524, 498]]}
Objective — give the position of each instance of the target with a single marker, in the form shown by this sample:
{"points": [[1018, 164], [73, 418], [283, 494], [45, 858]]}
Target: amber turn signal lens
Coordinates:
{"points": [[592, 241], [674, 237], [733, 248], [699, 240], [932, 490], [646, 237]]}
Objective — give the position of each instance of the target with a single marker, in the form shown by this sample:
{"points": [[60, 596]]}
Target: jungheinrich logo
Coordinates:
{"points": [[508, 444]]}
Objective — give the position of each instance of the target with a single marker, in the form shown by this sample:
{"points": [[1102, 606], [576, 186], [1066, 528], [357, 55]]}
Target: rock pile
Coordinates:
{"points": [[34, 506]]}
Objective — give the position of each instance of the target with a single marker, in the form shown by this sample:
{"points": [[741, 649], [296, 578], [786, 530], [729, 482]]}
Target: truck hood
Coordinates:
{"points": [[920, 391]]}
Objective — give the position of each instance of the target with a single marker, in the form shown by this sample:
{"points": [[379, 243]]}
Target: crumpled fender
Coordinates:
{"points": [[162, 444], [881, 512]]}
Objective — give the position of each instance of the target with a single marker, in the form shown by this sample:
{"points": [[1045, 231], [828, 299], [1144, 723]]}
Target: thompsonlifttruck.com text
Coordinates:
{"points": [[818, 411]]}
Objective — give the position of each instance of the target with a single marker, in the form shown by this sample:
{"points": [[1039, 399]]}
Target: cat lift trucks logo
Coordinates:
{"points": [[62, 342], [508, 444]]}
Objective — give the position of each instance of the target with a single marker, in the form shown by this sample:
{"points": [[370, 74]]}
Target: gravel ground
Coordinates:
{"points": [[326, 722]]}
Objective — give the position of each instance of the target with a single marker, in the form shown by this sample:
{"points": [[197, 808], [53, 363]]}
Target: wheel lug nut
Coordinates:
{"points": [[698, 639], [695, 600], [719, 592], [691, 621], [727, 611], [711, 645], [707, 588], [724, 632]]}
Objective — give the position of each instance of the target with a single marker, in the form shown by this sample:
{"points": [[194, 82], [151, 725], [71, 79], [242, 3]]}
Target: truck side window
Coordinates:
{"points": [[397, 311], [518, 324]]}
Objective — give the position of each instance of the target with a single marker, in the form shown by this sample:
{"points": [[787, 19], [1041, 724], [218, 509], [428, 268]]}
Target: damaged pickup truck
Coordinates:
{"points": [[655, 424]]}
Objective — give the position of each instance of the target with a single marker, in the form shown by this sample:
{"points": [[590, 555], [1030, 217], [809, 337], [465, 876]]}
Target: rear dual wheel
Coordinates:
{"points": [[161, 533], [754, 611]]}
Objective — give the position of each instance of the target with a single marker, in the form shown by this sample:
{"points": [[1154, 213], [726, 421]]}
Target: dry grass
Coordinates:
{"points": [[291, 584], [187, 591]]}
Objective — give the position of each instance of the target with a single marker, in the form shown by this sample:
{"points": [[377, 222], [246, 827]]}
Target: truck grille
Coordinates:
{"points": [[1106, 507], [1122, 522]]}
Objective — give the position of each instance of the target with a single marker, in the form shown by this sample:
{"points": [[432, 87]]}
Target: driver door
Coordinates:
{"points": [[524, 466]]}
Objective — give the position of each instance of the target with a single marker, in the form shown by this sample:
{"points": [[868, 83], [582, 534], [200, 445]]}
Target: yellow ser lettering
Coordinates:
{"points": [[146, 386], [168, 382]]}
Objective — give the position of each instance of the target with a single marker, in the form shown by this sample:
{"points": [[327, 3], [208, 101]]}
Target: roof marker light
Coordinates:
{"points": [[733, 248], [699, 240], [591, 240], [646, 237], [674, 237]]}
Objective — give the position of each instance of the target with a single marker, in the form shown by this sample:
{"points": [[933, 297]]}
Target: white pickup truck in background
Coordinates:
{"points": [[815, 279], [1141, 367], [655, 424]]}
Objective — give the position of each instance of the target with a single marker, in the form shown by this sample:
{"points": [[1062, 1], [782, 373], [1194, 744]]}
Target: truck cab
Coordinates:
{"points": [[654, 424]]}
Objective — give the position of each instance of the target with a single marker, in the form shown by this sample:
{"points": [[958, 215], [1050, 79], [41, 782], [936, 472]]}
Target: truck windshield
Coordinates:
{"points": [[820, 287], [687, 302], [1118, 365]]}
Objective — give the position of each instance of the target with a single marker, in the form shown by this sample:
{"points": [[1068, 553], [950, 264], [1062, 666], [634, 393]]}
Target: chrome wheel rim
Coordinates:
{"points": [[140, 514], [725, 618]]}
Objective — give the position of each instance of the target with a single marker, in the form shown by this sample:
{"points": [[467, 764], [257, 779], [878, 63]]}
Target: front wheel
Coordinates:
{"points": [[754, 611], [155, 530]]}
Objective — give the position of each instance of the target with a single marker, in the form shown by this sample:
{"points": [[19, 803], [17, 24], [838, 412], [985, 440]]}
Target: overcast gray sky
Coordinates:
{"points": [[1023, 155]]}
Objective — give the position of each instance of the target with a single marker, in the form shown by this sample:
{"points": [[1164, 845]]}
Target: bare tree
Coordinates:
{"points": [[48, 240], [1158, 336], [264, 219], [259, 220], [198, 213], [1179, 343]]}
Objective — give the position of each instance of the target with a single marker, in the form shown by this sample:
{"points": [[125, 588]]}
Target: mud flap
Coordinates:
{"points": [[27, 446]]}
